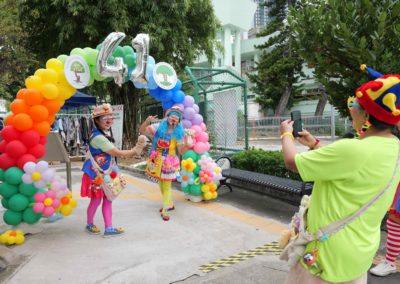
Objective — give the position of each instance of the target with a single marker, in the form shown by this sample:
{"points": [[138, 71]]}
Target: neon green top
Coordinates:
{"points": [[347, 174]]}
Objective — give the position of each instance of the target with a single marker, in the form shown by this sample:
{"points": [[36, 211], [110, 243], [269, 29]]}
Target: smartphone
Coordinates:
{"points": [[297, 123]]}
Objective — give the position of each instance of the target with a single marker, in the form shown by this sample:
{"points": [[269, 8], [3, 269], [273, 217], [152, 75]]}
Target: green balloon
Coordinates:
{"points": [[12, 218], [78, 51], [96, 75], [31, 199], [91, 55], [99, 46], [62, 58], [186, 189], [30, 217], [118, 52], [27, 189], [130, 60], [196, 170], [110, 60], [2, 175], [13, 175], [190, 154], [195, 189], [4, 202], [7, 190], [128, 50], [18, 202]]}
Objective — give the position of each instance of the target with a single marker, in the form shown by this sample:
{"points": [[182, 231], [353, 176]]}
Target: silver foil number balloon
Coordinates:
{"points": [[118, 70], [141, 44]]}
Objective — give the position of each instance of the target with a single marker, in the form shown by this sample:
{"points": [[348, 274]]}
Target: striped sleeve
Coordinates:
{"points": [[102, 143]]}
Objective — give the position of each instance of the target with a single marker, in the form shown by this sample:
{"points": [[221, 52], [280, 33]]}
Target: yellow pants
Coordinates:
{"points": [[165, 187]]}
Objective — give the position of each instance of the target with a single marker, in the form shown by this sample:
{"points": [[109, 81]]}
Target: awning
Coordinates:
{"points": [[79, 100]]}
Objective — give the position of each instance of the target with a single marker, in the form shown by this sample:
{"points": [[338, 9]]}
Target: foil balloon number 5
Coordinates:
{"points": [[141, 44], [118, 70]]}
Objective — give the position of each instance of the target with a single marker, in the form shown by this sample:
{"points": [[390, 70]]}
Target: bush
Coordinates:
{"points": [[261, 161]]}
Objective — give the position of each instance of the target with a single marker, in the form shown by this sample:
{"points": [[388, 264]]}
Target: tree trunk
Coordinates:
{"points": [[321, 104], [281, 107], [128, 96]]}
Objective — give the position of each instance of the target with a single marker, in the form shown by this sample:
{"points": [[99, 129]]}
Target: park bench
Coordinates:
{"points": [[282, 188]]}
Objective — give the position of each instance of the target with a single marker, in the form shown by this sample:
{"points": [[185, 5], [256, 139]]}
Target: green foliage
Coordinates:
{"points": [[261, 161], [279, 66], [337, 36]]}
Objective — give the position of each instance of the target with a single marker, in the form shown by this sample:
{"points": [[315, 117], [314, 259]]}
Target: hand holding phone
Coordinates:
{"points": [[297, 122]]}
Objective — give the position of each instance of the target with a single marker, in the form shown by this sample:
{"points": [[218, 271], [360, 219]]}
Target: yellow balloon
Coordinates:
{"points": [[62, 80], [66, 210], [207, 195], [11, 240], [39, 72], [20, 232], [65, 92], [72, 202], [214, 195], [205, 188], [19, 239], [33, 82], [2, 239], [50, 91], [49, 76], [54, 64]]}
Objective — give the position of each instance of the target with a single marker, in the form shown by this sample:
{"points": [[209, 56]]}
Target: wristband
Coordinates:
{"points": [[290, 134], [315, 144]]}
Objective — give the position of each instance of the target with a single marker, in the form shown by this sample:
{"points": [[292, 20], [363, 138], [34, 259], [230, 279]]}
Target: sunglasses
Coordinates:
{"points": [[107, 117]]}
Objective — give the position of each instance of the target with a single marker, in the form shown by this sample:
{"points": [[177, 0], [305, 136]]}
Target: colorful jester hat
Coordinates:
{"points": [[381, 97]]}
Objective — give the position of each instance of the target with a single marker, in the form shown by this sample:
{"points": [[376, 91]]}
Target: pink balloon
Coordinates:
{"points": [[39, 197], [38, 208], [55, 203], [203, 137], [51, 194], [200, 147], [48, 211], [203, 126], [55, 185], [197, 130]]}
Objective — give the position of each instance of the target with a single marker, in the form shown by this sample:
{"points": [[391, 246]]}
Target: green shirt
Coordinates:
{"points": [[101, 142], [347, 174]]}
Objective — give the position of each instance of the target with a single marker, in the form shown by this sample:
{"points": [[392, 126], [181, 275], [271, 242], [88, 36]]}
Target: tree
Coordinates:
{"points": [[279, 67], [179, 31], [337, 36], [15, 60]]}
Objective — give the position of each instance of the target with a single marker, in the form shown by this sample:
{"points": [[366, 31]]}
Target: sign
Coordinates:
{"points": [[164, 75], [77, 71], [117, 127]]}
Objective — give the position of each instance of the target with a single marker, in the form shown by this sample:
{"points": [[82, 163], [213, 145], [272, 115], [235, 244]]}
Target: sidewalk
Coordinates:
{"points": [[200, 237]]}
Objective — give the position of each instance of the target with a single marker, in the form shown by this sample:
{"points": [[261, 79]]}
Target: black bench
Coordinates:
{"points": [[282, 188]]}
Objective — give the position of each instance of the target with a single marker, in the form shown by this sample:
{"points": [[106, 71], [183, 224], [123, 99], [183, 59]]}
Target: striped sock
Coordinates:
{"points": [[393, 241]]}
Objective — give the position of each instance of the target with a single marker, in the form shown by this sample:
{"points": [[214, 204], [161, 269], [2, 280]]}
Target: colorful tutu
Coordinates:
{"points": [[88, 189], [395, 208]]}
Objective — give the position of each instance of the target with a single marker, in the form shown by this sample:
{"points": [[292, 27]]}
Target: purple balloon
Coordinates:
{"points": [[197, 119], [189, 101], [186, 123], [188, 113], [196, 108]]}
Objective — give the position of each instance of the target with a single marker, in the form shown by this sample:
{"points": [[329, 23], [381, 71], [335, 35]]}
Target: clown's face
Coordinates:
{"points": [[105, 122], [358, 115], [173, 120]]}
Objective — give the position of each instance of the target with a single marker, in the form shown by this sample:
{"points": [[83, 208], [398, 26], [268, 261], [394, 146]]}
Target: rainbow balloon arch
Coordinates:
{"points": [[30, 189]]}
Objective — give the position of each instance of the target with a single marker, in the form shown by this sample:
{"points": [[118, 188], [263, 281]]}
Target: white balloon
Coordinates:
{"points": [[29, 167]]}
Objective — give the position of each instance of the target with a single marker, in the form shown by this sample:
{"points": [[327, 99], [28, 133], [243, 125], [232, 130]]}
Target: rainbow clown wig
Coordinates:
{"points": [[381, 97]]}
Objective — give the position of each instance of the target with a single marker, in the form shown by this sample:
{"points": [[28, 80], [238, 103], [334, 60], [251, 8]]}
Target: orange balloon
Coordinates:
{"points": [[22, 122], [9, 119], [33, 97], [43, 128], [21, 94], [18, 106], [38, 113], [53, 106], [51, 119]]}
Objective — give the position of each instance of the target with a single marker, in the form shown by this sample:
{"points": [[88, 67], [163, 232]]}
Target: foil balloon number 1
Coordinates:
{"points": [[118, 70]]}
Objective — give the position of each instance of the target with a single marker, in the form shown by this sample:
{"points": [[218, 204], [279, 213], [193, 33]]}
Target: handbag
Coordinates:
{"points": [[294, 241], [112, 184]]}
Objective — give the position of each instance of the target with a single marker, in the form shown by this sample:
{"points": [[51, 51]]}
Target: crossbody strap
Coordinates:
{"points": [[335, 227], [96, 166]]}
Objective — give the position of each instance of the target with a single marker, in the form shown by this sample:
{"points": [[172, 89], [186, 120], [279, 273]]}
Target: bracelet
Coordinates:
{"points": [[287, 133], [315, 144]]}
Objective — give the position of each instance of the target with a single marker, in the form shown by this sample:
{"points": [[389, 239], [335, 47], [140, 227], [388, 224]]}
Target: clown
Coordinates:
{"points": [[163, 164]]}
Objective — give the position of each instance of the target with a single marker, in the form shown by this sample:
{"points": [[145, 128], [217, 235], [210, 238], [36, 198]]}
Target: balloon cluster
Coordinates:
{"points": [[10, 237]]}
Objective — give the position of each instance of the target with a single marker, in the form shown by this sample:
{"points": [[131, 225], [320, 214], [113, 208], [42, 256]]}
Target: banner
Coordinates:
{"points": [[117, 128]]}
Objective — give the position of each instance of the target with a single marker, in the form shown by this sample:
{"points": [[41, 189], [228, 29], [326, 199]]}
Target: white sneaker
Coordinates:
{"points": [[384, 268]]}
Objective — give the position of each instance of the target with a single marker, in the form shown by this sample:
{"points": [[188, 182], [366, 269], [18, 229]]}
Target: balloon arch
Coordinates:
{"points": [[29, 188]]}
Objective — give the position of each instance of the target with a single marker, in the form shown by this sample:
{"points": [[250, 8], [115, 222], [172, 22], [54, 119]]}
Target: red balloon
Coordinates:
{"points": [[43, 140], [6, 162], [15, 149], [38, 151], [30, 138], [24, 159], [10, 133], [3, 145]]}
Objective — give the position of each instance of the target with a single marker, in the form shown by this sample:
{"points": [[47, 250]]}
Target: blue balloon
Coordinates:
{"points": [[167, 104], [151, 84], [155, 93], [151, 60], [178, 85], [166, 95], [149, 70], [178, 97]]}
